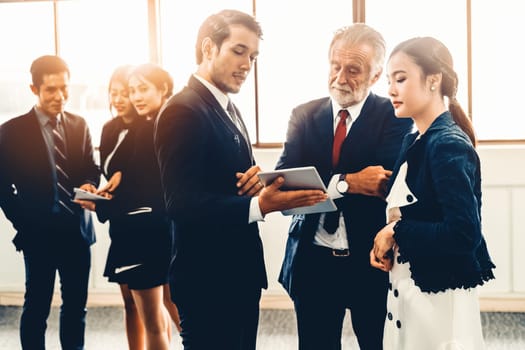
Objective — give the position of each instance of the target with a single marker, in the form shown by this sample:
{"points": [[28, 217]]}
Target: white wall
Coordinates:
{"points": [[503, 174]]}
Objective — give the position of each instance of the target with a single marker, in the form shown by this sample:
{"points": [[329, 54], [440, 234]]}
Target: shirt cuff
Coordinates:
{"points": [[255, 211], [332, 191]]}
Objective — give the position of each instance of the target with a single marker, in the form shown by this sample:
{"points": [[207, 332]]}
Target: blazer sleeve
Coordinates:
{"points": [[455, 178], [8, 197], [292, 155]]}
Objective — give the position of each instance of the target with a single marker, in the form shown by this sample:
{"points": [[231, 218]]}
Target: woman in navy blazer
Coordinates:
{"points": [[434, 210], [141, 239]]}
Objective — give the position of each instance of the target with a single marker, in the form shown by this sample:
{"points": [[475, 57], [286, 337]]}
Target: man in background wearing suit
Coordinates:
{"points": [[213, 194], [326, 267], [44, 154]]}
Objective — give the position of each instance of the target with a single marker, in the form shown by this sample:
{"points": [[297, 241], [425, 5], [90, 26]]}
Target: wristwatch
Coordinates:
{"points": [[342, 185]]}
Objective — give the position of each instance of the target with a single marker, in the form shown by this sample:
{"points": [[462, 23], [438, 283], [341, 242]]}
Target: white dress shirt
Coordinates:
{"points": [[337, 240]]}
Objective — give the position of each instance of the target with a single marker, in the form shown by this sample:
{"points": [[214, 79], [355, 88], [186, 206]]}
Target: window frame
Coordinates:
{"points": [[359, 15]]}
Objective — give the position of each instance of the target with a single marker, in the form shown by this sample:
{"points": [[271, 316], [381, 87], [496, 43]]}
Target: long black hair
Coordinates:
{"points": [[433, 57]]}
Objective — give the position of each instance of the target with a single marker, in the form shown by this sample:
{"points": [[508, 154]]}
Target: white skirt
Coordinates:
{"points": [[415, 320]]}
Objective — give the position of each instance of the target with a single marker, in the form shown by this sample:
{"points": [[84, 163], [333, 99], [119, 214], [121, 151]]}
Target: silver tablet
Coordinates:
{"points": [[87, 196], [303, 178]]}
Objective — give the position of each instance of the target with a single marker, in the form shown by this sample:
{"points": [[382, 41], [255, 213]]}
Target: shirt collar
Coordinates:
{"points": [[354, 110], [44, 119], [221, 97]]}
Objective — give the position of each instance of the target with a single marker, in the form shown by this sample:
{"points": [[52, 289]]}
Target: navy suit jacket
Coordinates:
{"points": [[199, 151], [440, 233], [26, 178], [374, 139]]}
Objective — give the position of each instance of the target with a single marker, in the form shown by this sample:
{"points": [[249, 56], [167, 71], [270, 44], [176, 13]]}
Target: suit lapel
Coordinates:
{"points": [[36, 150], [359, 139], [226, 120], [208, 97], [323, 122], [66, 126]]}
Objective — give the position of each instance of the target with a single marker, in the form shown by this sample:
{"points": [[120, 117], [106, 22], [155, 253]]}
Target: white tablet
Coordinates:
{"points": [[303, 178], [88, 196]]}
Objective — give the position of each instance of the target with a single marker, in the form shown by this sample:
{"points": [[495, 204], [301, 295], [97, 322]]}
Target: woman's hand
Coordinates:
{"points": [[381, 253], [111, 186], [88, 188], [89, 205]]}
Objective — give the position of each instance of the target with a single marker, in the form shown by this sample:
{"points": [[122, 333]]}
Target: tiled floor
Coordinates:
{"points": [[502, 331]]}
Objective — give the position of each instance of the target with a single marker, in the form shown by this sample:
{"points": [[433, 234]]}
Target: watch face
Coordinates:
{"points": [[342, 186]]}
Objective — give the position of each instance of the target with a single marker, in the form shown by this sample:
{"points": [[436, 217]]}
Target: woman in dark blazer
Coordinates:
{"points": [[434, 210], [141, 240]]}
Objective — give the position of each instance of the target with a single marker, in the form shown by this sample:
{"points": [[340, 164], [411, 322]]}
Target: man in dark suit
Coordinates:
{"points": [[44, 154], [213, 194], [326, 267]]}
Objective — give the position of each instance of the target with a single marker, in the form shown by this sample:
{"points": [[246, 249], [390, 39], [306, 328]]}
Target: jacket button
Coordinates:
{"points": [[410, 198], [398, 324], [390, 285], [399, 259], [396, 293], [390, 317]]}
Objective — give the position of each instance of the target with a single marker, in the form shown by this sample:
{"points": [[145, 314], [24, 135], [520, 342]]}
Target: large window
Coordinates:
{"points": [[497, 58], [95, 36], [404, 19], [20, 47], [293, 63], [293, 67]]}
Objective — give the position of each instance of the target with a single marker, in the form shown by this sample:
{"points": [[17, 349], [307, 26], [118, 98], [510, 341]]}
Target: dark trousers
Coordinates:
{"points": [[67, 253], [220, 321], [328, 287]]}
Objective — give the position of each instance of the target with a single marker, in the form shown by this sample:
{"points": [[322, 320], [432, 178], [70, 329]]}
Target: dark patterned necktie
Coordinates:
{"points": [[64, 187], [240, 126], [236, 120], [331, 219]]}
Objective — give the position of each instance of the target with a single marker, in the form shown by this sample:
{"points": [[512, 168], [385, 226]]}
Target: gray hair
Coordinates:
{"points": [[360, 33]]}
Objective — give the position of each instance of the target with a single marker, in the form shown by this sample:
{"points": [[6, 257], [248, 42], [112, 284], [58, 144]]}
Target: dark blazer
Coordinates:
{"points": [[374, 139], [136, 159], [440, 233], [199, 151], [26, 178], [140, 238]]}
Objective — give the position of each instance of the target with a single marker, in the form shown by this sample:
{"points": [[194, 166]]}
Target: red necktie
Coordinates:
{"points": [[339, 136], [331, 219]]}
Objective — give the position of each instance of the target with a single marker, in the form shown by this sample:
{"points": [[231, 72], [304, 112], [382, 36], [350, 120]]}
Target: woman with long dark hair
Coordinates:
{"points": [[433, 245], [141, 239]]}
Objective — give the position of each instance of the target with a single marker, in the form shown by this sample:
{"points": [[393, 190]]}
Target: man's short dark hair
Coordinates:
{"points": [[217, 28], [45, 65]]}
